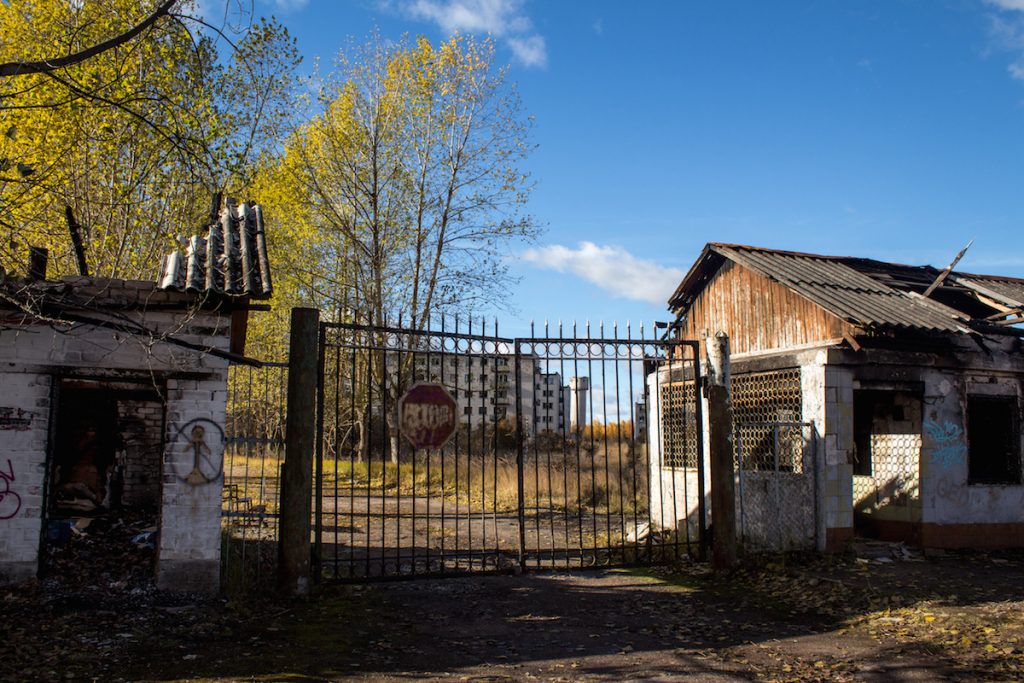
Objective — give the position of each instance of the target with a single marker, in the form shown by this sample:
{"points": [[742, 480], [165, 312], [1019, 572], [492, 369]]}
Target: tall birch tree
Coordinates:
{"points": [[405, 191]]}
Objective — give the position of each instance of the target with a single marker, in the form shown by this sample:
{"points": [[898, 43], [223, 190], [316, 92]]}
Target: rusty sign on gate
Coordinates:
{"points": [[426, 415]]}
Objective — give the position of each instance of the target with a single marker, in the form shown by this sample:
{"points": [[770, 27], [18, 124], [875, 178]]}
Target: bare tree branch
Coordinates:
{"points": [[45, 66]]}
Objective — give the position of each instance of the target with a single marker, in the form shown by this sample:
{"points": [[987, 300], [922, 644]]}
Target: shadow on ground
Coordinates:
{"points": [[911, 619]]}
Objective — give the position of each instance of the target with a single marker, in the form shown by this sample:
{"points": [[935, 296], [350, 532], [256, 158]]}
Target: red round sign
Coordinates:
{"points": [[426, 415]]}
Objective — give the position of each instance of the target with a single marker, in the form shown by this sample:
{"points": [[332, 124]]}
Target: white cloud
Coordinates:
{"points": [[531, 51], [611, 268], [287, 5], [1007, 33], [501, 18], [1008, 4]]}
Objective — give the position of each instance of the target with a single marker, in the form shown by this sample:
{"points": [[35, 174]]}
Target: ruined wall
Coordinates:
{"points": [[957, 513], [189, 549], [836, 417], [141, 427], [940, 507], [32, 357], [24, 423]]}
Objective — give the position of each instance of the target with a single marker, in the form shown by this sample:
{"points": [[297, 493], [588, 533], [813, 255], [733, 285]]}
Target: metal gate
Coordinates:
{"points": [[777, 489], [550, 465]]}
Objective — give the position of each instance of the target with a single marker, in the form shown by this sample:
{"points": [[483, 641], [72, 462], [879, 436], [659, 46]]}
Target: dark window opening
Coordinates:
{"points": [[993, 435], [108, 450]]}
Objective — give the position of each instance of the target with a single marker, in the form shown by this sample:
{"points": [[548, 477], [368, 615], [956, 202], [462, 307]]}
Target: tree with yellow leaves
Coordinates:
{"points": [[123, 113], [403, 194]]}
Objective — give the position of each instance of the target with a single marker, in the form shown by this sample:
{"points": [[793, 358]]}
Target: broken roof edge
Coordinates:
{"points": [[675, 302], [46, 298], [229, 261]]}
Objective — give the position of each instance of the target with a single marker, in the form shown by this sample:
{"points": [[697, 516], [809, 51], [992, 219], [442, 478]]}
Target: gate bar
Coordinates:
{"points": [[521, 510]]}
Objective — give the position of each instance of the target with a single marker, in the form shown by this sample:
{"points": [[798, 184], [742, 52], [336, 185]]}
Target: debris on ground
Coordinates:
{"points": [[787, 618], [109, 546]]}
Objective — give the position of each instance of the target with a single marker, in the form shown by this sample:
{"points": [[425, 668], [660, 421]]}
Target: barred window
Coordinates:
{"points": [[679, 411], [759, 401]]}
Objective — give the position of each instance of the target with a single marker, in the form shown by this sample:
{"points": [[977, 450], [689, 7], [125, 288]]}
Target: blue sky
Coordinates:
{"points": [[892, 129]]}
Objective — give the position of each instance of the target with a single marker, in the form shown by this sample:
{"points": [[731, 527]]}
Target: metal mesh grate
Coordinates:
{"points": [[678, 400], [887, 440], [760, 401]]}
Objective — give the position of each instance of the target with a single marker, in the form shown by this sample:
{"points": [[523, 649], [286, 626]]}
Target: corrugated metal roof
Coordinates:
{"points": [[230, 260], [1006, 290], [856, 290]]}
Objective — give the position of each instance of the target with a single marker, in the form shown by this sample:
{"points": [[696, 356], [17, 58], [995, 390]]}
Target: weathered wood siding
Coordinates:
{"points": [[758, 314]]}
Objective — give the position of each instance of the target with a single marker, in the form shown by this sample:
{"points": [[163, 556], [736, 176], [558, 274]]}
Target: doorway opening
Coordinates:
{"points": [[886, 470], [105, 477]]}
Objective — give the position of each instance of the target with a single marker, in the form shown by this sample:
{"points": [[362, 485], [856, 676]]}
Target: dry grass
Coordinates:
{"points": [[605, 480], [252, 480], [612, 479]]}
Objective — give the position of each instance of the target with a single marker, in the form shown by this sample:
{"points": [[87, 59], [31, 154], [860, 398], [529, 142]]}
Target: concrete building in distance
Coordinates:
{"points": [[580, 390], [640, 417], [484, 389]]}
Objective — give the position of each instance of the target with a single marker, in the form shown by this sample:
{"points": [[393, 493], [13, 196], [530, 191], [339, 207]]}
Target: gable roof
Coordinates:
{"points": [[867, 293]]}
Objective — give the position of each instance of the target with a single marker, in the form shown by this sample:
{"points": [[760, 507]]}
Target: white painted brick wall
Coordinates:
{"points": [[22, 454], [190, 518]]}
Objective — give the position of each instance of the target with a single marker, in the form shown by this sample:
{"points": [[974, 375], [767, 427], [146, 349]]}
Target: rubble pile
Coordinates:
{"points": [[112, 549]]}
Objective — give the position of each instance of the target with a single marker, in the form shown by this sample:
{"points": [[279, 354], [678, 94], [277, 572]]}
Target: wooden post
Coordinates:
{"points": [[37, 257], [76, 241], [297, 472], [723, 487]]}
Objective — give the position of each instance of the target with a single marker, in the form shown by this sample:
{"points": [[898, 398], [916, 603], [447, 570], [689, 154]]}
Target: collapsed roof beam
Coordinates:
{"points": [[949, 269]]}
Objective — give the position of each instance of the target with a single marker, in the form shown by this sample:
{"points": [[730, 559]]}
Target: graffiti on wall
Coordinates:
{"points": [[10, 502], [15, 419], [203, 440], [949, 448]]}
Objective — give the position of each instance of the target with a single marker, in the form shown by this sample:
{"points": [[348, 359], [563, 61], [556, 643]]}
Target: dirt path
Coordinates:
{"points": [[373, 535], [880, 618]]}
